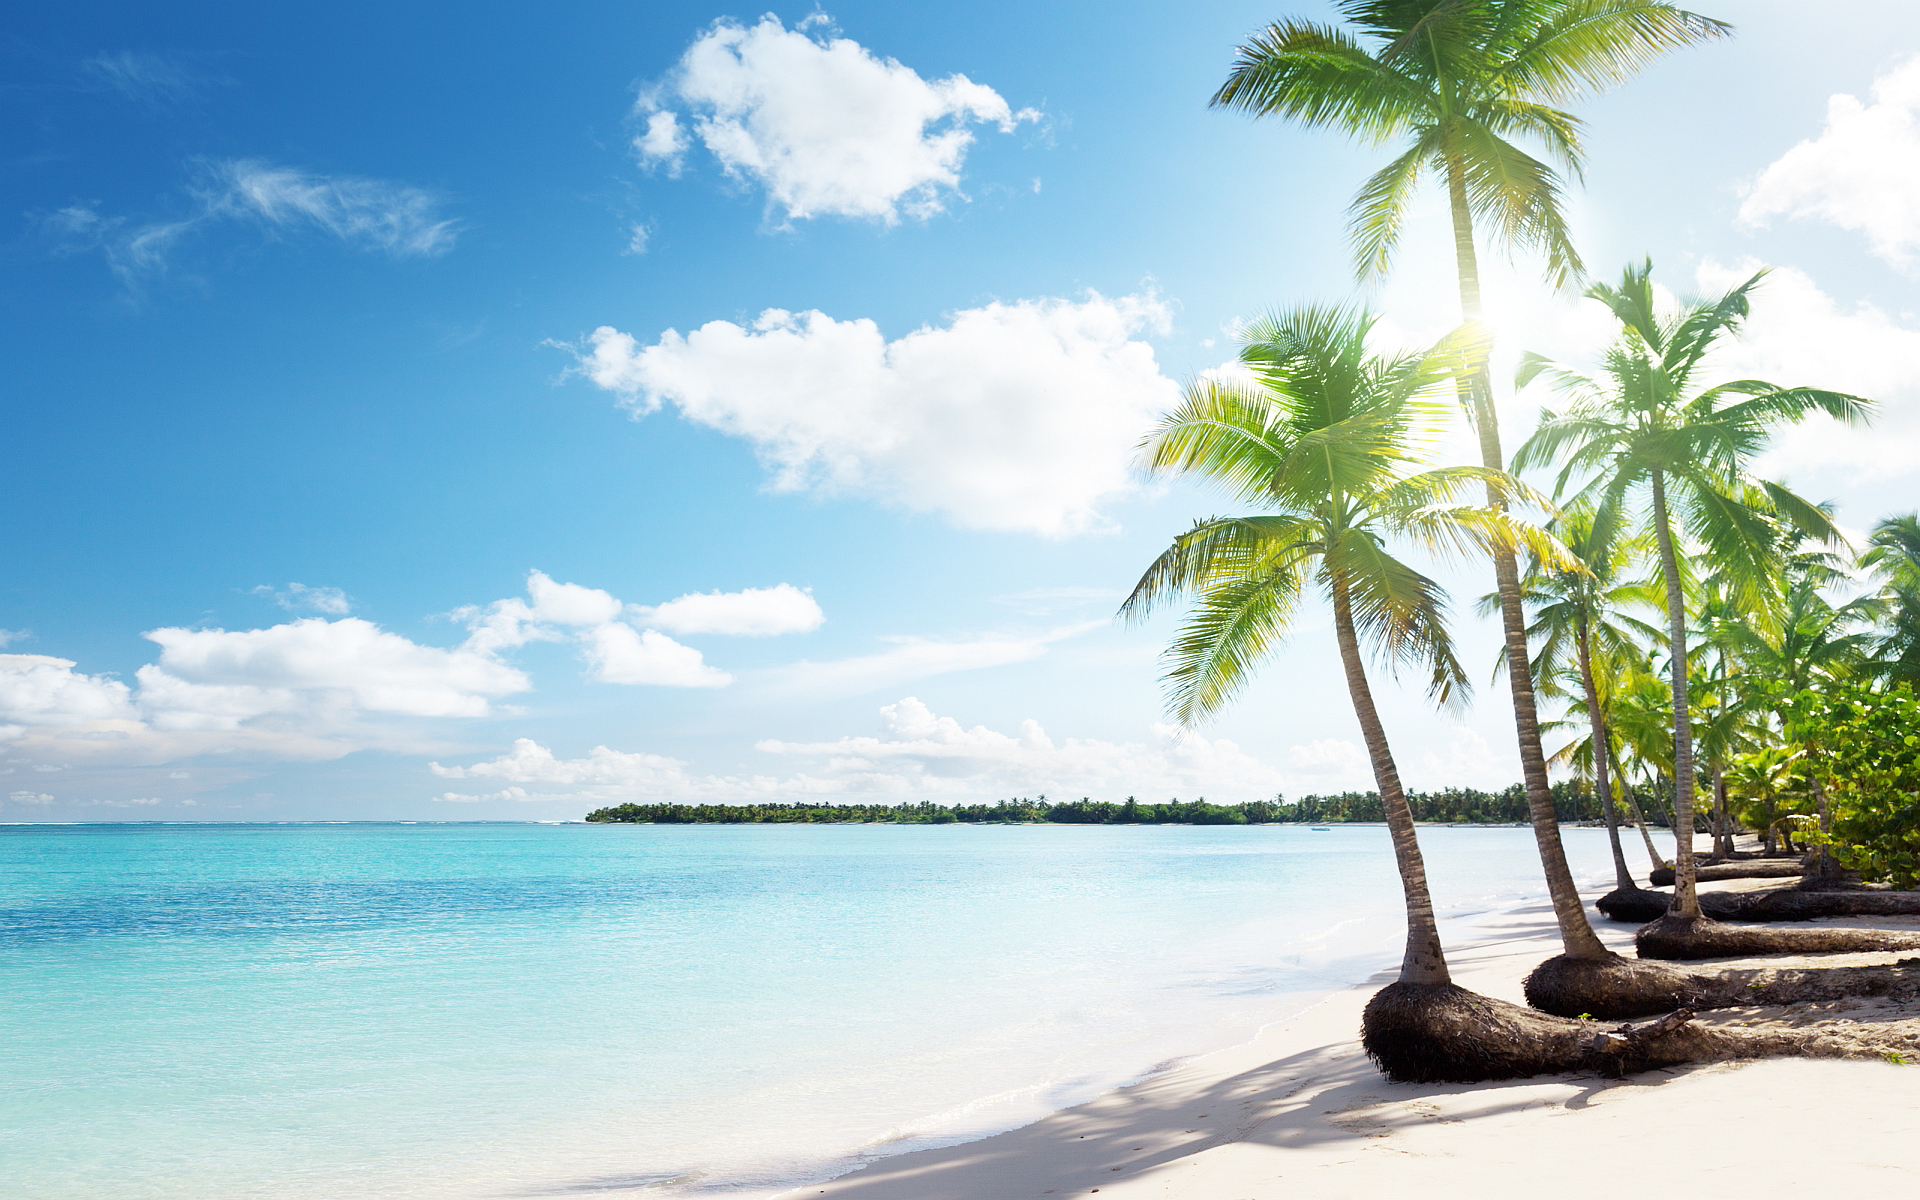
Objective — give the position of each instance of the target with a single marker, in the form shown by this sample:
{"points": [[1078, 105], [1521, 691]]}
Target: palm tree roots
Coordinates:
{"points": [[1614, 989], [1431, 1033], [1681, 938], [1636, 905], [1807, 904], [1759, 869]]}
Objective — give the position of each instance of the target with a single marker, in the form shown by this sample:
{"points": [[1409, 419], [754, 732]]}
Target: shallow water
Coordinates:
{"points": [[419, 1010]]}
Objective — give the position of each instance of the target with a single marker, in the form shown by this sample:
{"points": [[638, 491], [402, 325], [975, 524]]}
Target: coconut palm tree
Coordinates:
{"points": [[1647, 430], [1758, 780], [1800, 638], [1578, 619], [1453, 82], [1893, 552], [1322, 441]]}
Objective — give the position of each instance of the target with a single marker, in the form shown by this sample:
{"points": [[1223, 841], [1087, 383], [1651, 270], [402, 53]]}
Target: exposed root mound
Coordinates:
{"points": [[1685, 938], [1433, 1033], [1803, 904], [1614, 989], [1775, 869], [1636, 905]]}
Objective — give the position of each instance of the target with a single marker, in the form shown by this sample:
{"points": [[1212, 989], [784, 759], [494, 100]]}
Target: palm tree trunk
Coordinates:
{"points": [[1623, 879], [1821, 864], [1686, 902], [1722, 836], [1576, 932], [1424, 961], [1633, 802]]}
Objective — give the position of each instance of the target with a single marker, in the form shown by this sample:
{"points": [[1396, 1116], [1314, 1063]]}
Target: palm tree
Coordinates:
{"points": [[1759, 779], [1322, 441], [1453, 81], [1804, 640], [1648, 430], [1578, 618], [1893, 552]]}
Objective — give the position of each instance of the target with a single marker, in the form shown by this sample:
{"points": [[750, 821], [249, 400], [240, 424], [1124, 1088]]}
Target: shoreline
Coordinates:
{"points": [[1299, 1110]]}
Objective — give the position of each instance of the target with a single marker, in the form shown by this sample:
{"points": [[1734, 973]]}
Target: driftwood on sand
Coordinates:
{"points": [[1425, 1032]]}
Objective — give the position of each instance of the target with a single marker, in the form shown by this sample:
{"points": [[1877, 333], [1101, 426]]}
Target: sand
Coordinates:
{"points": [[1300, 1112]]}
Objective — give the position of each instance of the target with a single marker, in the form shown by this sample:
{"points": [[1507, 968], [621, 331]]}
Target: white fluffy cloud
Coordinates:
{"points": [[314, 688], [623, 654], [603, 774], [1017, 416], [923, 752], [823, 124], [621, 642], [38, 690], [1861, 173], [216, 679], [920, 754], [752, 612], [1799, 335], [308, 689]]}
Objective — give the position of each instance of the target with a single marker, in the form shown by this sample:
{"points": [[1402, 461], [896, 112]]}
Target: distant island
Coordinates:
{"points": [[1464, 806]]}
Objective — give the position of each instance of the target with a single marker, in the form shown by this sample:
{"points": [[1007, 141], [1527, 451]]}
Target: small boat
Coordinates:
{"points": [[1318, 829]]}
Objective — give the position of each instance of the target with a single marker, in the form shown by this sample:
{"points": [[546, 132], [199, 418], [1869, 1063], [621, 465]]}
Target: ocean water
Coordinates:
{"points": [[469, 1010]]}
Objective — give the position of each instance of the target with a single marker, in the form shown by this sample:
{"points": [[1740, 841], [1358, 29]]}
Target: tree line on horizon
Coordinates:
{"points": [[1462, 806]]}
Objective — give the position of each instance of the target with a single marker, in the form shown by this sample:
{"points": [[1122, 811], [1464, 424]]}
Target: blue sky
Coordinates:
{"points": [[304, 383]]}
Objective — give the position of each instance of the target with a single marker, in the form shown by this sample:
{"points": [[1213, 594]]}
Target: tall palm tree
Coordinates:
{"points": [[1647, 429], [1453, 82], [1322, 442], [1578, 618]]}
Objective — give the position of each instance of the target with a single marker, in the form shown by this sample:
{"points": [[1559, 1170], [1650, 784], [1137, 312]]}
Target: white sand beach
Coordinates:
{"points": [[1300, 1112]]}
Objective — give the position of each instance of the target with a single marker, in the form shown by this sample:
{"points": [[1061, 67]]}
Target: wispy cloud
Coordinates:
{"points": [[1046, 601], [370, 214], [155, 81], [920, 753], [298, 597], [375, 215], [914, 658]]}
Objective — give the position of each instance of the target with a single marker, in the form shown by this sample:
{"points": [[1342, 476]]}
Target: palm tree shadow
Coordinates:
{"points": [[1327, 1098]]}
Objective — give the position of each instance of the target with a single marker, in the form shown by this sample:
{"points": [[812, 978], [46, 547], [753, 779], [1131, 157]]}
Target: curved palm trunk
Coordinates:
{"points": [[1686, 902], [1633, 802], [1576, 932], [1623, 879], [1424, 962]]}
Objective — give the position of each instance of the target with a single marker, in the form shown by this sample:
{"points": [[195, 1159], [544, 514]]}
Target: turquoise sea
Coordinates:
{"points": [[471, 1010]]}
